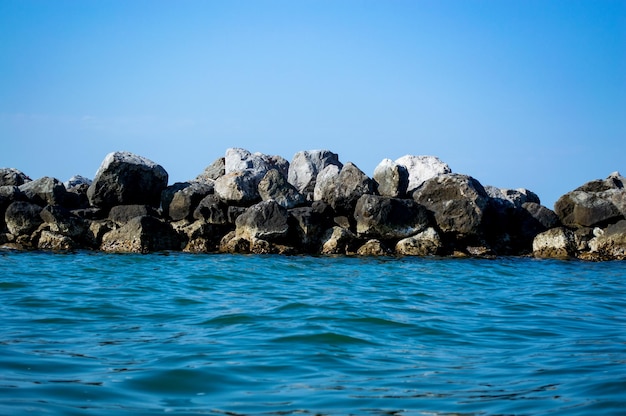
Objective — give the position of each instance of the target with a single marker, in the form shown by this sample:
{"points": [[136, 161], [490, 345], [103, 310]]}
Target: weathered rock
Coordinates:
{"points": [[457, 201], [201, 237], [239, 187], [45, 191], [422, 168], [125, 179], [9, 194], [596, 203], [212, 210], [97, 230], [237, 159], [233, 212], [22, 218], [512, 197], [274, 187], [555, 243], [426, 243], [49, 240], [324, 188], [266, 220], [213, 171], [391, 178], [231, 243], [349, 186], [62, 222], [184, 201], [373, 247], [12, 177], [610, 243], [389, 218], [308, 223], [141, 235], [306, 165], [77, 181], [121, 214], [337, 240]]}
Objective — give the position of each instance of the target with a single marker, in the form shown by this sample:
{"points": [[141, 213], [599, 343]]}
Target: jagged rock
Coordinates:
{"points": [[22, 218], [308, 223], [596, 203], [201, 237], [125, 179], [184, 201], [233, 212], [12, 177], [49, 240], [62, 222], [391, 178], [512, 197], [213, 171], [91, 213], [457, 201], [389, 218], [426, 243], [373, 247], [239, 187], [306, 165], [350, 185], [8, 195], [274, 187], [231, 243], [266, 220], [212, 210], [555, 243], [121, 214], [77, 181], [141, 235], [610, 243], [422, 168], [324, 187], [45, 191], [97, 230], [337, 240]]}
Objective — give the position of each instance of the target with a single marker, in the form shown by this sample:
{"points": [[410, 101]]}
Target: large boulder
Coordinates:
{"points": [[422, 168], [141, 235], [266, 220], [555, 243], [274, 186], [45, 191], [307, 224], [306, 165], [391, 178], [387, 218], [212, 210], [63, 222], [338, 240], [213, 171], [426, 243], [49, 240], [595, 204], [125, 178], [22, 218], [12, 177], [325, 183], [457, 201], [77, 181], [239, 187], [185, 199], [121, 214], [349, 186], [610, 243], [373, 247], [237, 159], [8, 195]]}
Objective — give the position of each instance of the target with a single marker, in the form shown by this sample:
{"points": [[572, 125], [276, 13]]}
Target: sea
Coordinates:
{"points": [[90, 333]]}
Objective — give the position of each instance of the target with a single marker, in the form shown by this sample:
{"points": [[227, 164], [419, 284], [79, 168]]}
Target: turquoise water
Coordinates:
{"points": [[90, 333]]}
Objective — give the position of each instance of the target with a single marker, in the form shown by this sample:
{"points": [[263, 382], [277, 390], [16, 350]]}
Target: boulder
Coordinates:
{"points": [[457, 201], [22, 218], [426, 243], [121, 214], [387, 218], [125, 179], [184, 201], [610, 243], [266, 220], [77, 181], [373, 247], [49, 240], [391, 179], [9, 194], [512, 197], [12, 177], [201, 237], [337, 240], [595, 204], [422, 168], [45, 191], [555, 243], [213, 171], [212, 210], [141, 235], [237, 159], [231, 243], [239, 187], [274, 187], [324, 187], [307, 224], [306, 165], [350, 185], [63, 222]]}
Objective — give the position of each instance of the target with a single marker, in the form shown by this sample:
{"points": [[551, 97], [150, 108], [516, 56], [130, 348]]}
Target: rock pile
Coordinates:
{"points": [[254, 203]]}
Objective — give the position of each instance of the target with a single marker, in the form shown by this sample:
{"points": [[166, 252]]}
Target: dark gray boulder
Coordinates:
{"points": [[458, 203], [350, 185], [266, 220], [45, 191], [185, 199], [391, 179], [213, 171], [212, 210], [121, 214], [338, 240], [124, 179], [63, 222], [12, 177], [306, 165], [385, 218], [141, 235], [274, 187], [22, 218], [307, 225]]}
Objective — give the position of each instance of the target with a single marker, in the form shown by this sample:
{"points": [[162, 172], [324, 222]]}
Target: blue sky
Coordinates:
{"points": [[515, 93]]}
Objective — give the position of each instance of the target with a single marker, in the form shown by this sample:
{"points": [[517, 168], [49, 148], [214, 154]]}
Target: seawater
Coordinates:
{"points": [[102, 334]]}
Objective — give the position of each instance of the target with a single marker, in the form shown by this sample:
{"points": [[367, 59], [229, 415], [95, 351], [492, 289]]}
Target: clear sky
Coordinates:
{"points": [[514, 93]]}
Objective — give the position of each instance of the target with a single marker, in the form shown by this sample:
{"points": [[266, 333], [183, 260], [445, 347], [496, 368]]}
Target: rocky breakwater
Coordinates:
{"points": [[255, 203]]}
